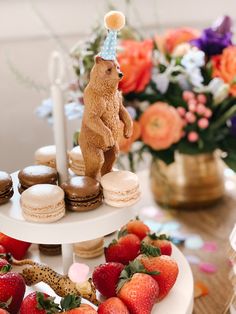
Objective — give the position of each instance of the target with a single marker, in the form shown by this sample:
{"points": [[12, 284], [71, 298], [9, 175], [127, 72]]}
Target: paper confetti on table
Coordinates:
{"points": [[170, 226], [208, 268], [194, 242], [154, 226], [200, 289], [193, 259], [210, 246]]}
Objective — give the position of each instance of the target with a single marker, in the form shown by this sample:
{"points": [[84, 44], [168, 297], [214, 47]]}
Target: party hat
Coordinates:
{"points": [[114, 21]]}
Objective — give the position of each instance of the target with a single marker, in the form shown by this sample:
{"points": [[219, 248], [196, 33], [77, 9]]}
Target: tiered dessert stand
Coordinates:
{"points": [[77, 227]]}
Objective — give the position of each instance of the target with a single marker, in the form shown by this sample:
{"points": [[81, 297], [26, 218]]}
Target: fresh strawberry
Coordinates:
{"points": [[38, 303], [71, 304], [136, 227], [2, 249], [106, 277], [113, 306], [166, 267], [162, 242], [4, 306], [5, 267], [137, 289], [12, 287], [2, 311], [123, 250], [16, 247]]}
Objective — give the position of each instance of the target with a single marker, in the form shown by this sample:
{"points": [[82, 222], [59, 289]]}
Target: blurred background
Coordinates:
{"points": [[31, 29]]}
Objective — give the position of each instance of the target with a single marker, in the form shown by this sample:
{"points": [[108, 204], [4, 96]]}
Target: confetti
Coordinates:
{"points": [[150, 211], [194, 242], [170, 226], [200, 289], [210, 246], [208, 268], [154, 226], [193, 259]]}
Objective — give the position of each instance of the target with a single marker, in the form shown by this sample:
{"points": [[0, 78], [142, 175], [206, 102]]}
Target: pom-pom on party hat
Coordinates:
{"points": [[114, 21]]}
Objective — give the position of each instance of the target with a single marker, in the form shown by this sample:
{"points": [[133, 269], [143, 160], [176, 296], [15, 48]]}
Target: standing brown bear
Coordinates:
{"points": [[104, 110]]}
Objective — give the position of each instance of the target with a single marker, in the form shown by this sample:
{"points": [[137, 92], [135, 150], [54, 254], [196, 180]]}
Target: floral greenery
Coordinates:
{"points": [[173, 72]]}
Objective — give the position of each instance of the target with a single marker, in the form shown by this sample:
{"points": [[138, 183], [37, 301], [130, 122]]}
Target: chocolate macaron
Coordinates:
{"points": [[37, 174], [6, 188], [50, 249], [82, 193]]}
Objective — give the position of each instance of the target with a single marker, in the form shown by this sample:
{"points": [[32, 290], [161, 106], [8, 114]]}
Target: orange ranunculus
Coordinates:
{"points": [[161, 126], [136, 63], [178, 36], [224, 66], [126, 143]]}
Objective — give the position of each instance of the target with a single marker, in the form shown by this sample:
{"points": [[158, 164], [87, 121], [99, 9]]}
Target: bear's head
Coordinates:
{"points": [[105, 74]]}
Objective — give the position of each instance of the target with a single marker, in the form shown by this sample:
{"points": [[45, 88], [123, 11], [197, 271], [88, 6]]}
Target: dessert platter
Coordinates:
{"points": [[76, 199]]}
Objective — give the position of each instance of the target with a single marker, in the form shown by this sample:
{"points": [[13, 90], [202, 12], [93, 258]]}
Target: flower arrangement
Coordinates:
{"points": [[180, 89]]}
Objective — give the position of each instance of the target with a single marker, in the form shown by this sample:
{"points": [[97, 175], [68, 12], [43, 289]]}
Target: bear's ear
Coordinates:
{"points": [[98, 59]]}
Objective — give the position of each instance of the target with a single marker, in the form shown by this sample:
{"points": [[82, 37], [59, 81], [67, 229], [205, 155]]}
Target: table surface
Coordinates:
{"points": [[212, 224]]}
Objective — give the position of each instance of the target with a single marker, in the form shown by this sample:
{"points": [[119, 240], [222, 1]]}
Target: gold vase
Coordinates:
{"points": [[191, 181]]}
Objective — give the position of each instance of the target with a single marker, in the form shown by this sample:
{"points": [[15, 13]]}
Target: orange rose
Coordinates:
{"points": [[224, 66], [126, 143], [161, 126], [136, 63], [178, 36]]}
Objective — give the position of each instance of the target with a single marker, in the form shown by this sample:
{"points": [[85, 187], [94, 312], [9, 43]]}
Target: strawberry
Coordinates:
{"points": [[38, 303], [12, 287], [105, 278], [113, 306], [162, 242], [137, 289], [71, 304], [123, 250], [2, 311], [2, 249], [5, 267], [16, 247], [166, 267], [136, 227]]}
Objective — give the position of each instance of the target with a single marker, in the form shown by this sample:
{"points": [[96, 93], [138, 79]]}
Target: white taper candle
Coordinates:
{"points": [[56, 73]]}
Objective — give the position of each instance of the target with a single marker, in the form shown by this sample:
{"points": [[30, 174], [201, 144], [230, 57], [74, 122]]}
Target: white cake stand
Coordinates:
{"points": [[74, 227]]}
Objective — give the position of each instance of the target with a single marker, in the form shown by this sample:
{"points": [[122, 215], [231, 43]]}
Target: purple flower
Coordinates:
{"points": [[213, 40], [233, 126]]}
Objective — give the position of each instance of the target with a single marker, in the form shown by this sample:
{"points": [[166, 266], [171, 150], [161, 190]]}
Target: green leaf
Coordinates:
{"points": [[150, 250], [122, 233], [5, 305], [5, 269], [46, 303], [70, 302]]}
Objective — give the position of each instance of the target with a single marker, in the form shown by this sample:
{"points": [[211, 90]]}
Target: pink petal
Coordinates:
{"points": [[210, 246], [207, 268]]}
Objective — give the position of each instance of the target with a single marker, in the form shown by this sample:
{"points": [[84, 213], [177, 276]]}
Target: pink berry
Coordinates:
{"points": [[201, 109], [181, 111], [187, 95], [202, 98], [192, 107], [203, 123], [190, 117], [208, 113], [193, 136]]}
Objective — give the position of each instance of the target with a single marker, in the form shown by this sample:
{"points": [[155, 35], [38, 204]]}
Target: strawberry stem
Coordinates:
{"points": [[5, 305], [70, 302], [150, 250], [46, 303], [5, 269], [154, 236]]}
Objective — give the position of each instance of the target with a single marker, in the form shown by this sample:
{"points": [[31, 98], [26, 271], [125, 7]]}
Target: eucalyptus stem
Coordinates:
{"points": [[228, 114]]}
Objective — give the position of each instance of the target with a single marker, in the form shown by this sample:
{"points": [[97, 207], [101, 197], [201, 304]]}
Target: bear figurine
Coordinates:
{"points": [[103, 116]]}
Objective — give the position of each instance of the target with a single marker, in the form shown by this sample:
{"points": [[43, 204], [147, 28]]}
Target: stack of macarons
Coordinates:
{"points": [[120, 188], [76, 161], [37, 174], [89, 249], [43, 203], [46, 155], [6, 187], [82, 193]]}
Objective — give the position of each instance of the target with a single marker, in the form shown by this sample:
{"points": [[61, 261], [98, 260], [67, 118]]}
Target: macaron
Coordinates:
{"points": [[120, 188], [89, 249], [76, 161], [37, 174], [50, 249], [82, 193], [43, 203], [46, 155], [6, 187]]}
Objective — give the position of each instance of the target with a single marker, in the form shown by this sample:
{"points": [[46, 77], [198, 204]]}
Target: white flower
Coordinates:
{"points": [[162, 81], [45, 109], [221, 94], [195, 77], [193, 59]]}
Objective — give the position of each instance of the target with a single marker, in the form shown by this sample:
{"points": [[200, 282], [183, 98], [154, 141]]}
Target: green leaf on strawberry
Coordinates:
{"points": [[5, 305], [154, 236], [70, 302], [47, 304], [150, 250]]}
